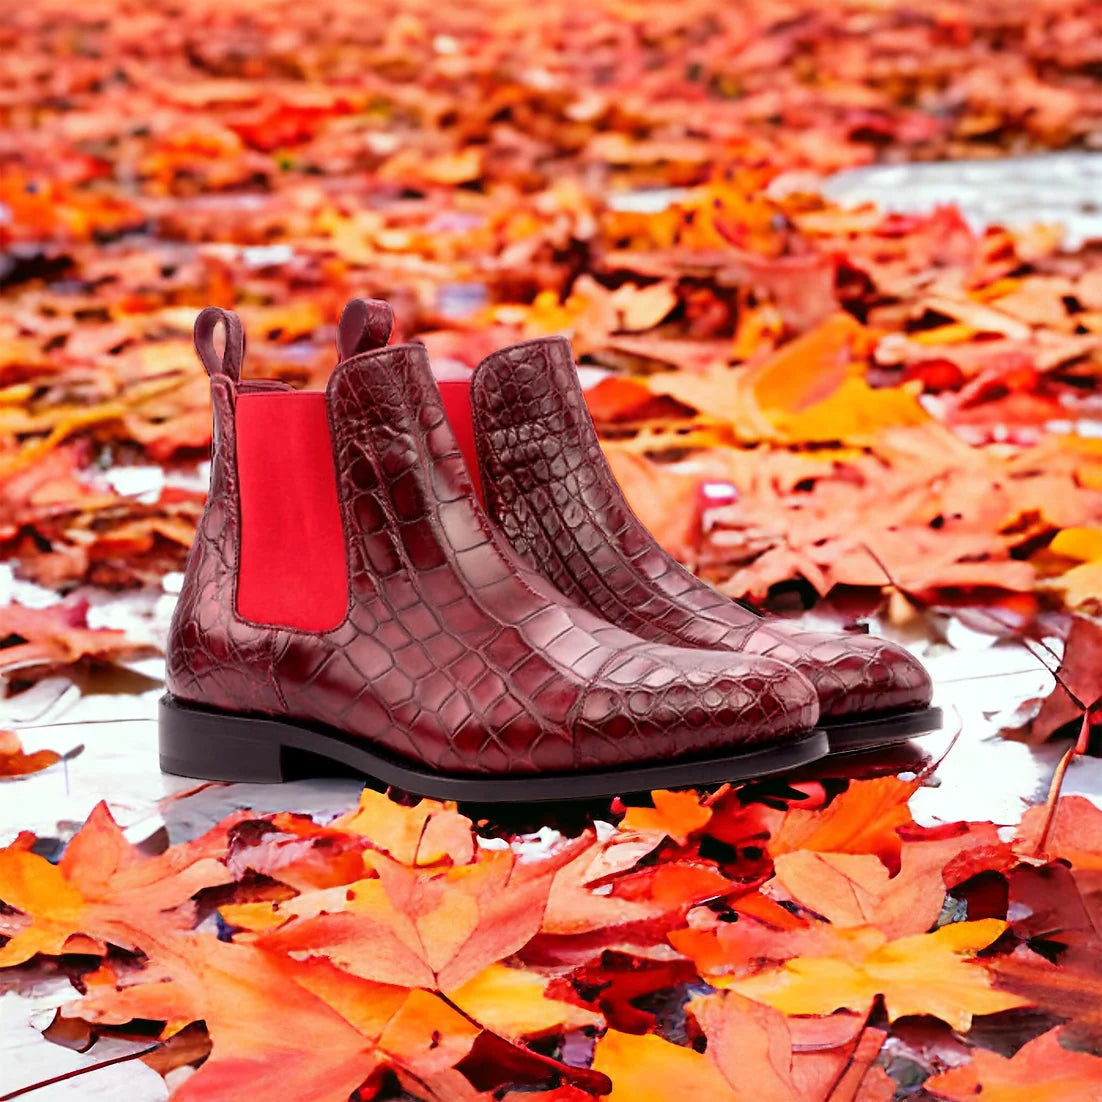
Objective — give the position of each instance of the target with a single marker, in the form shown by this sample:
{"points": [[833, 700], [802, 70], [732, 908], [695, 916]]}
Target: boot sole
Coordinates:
{"points": [[223, 746], [876, 732]]}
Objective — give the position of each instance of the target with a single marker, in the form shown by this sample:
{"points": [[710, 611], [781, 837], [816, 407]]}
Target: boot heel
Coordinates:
{"points": [[215, 746]]}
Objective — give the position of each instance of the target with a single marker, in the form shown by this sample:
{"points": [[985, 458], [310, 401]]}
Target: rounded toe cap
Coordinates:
{"points": [[870, 677], [863, 675], [854, 675], [663, 702]]}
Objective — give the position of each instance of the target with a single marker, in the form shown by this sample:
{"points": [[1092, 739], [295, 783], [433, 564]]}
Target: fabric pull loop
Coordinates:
{"points": [[233, 356]]}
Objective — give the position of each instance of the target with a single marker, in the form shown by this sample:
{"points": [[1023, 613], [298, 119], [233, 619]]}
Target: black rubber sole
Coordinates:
{"points": [[220, 746], [887, 729]]}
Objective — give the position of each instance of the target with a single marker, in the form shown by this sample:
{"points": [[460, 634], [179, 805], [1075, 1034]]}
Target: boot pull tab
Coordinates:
{"points": [[233, 355], [366, 324]]}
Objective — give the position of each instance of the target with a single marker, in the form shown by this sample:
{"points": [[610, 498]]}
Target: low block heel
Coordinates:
{"points": [[216, 747]]}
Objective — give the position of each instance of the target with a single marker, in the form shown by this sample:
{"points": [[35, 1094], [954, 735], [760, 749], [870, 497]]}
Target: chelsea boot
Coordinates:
{"points": [[347, 597]]}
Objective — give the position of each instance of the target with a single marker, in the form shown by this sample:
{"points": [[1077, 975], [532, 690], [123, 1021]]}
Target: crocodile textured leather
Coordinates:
{"points": [[550, 489], [453, 653]]}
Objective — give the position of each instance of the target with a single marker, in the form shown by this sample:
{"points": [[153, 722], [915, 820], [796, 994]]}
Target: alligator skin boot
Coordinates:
{"points": [[346, 597], [547, 485]]}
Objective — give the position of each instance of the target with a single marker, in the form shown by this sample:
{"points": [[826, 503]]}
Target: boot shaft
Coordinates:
{"points": [[330, 511]]}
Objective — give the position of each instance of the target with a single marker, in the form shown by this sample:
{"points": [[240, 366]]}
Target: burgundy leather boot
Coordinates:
{"points": [[347, 597], [546, 483]]}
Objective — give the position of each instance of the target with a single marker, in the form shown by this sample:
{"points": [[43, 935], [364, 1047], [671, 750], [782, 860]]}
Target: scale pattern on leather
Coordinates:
{"points": [[548, 485], [453, 652]]}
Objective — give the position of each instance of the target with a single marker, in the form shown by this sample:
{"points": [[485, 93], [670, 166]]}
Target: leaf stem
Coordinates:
{"points": [[77, 1072], [1053, 802]]}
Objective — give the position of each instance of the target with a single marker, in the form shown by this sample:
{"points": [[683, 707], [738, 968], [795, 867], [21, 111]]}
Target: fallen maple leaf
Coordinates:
{"points": [[38, 641], [780, 1059], [14, 762], [750, 1053], [616, 983], [1071, 988], [295, 851], [724, 951], [1041, 1068], [921, 974], [513, 1003], [245, 996], [1075, 835], [429, 833], [424, 1041], [811, 390], [864, 819], [1079, 683], [103, 891], [675, 814], [433, 928], [856, 890], [261, 916], [603, 899], [650, 1069], [640, 308], [749, 1043]]}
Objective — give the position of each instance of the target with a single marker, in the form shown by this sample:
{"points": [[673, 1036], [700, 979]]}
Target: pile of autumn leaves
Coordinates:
{"points": [[778, 943], [891, 398]]}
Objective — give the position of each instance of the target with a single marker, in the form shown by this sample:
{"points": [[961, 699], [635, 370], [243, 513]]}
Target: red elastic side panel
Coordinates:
{"points": [[456, 394], [293, 570]]}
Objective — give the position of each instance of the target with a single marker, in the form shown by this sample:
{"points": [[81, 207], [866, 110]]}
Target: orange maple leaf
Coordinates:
{"points": [[429, 833], [1042, 1068], [271, 1034], [102, 891], [676, 814], [435, 928], [782, 1059], [864, 819], [1076, 833], [850, 889], [752, 1051], [603, 899], [15, 763]]}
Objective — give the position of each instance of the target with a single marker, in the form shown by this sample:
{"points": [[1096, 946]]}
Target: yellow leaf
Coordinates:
{"points": [[814, 388], [512, 1003], [427, 1034], [30, 884], [455, 168], [955, 333], [921, 974], [428, 833], [811, 390], [649, 1069], [641, 308], [271, 914], [808, 369], [855, 412], [1084, 544]]}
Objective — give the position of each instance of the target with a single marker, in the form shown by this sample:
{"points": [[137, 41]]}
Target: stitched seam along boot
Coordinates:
{"points": [[347, 596]]}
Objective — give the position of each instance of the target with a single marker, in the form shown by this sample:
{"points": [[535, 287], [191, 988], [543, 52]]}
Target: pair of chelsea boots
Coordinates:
{"points": [[442, 586]]}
